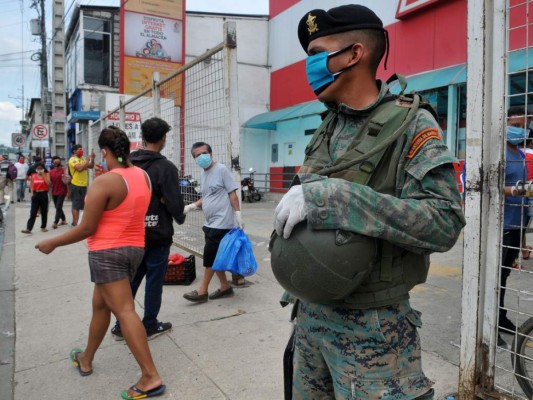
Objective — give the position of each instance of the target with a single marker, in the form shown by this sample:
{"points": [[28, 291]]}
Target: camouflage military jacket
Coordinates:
{"points": [[423, 215]]}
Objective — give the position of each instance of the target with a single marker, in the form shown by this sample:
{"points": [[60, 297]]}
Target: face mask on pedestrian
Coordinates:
{"points": [[516, 135], [203, 160], [102, 161], [21, 160], [318, 74], [79, 153]]}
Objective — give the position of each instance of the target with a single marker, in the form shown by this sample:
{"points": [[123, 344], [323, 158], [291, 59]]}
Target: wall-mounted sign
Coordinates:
{"points": [[132, 127], [83, 115]]}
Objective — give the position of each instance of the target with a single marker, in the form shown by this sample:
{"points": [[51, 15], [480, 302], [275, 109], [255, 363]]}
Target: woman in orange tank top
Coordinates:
{"points": [[113, 224]]}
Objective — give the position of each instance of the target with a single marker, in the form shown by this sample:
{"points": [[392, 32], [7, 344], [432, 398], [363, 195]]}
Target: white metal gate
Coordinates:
{"points": [[499, 37], [200, 103]]}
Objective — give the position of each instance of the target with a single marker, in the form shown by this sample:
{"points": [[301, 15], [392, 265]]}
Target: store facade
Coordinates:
{"points": [[428, 40]]}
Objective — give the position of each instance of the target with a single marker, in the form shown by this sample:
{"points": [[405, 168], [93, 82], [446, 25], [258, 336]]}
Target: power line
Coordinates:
{"points": [[18, 52]]}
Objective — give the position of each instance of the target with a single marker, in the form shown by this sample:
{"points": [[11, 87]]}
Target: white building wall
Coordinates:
{"points": [[204, 31]]}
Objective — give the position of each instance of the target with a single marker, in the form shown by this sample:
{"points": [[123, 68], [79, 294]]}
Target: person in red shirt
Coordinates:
{"points": [[39, 184], [59, 190]]}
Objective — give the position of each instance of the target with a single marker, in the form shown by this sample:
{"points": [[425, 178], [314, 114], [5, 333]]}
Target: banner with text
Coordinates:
{"points": [[132, 127]]}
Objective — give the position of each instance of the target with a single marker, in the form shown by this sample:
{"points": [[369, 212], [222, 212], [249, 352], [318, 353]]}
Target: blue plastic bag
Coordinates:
{"points": [[235, 254]]}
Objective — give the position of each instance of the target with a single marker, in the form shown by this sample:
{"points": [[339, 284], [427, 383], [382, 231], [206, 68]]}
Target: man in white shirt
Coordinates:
{"points": [[22, 170]]}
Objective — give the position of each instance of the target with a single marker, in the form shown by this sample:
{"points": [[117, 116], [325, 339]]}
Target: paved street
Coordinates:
{"points": [[224, 349]]}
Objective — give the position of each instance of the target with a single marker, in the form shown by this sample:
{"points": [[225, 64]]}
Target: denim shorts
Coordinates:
{"points": [[111, 265]]}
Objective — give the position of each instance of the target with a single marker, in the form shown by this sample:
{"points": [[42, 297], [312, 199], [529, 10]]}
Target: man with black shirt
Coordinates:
{"points": [[166, 205]]}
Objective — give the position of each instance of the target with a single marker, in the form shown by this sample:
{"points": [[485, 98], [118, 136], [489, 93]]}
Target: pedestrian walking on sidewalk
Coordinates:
{"points": [[374, 208], [79, 171], [39, 186], [22, 169], [114, 227], [221, 208], [165, 206], [59, 191]]}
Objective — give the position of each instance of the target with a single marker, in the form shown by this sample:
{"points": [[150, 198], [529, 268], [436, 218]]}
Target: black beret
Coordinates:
{"points": [[318, 23]]}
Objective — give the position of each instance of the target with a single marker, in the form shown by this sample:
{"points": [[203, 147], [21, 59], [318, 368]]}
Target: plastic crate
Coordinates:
{"points": [[181, 274]]}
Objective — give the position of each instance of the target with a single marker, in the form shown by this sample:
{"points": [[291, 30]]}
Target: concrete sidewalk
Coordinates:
{"points": [[225, 349]]}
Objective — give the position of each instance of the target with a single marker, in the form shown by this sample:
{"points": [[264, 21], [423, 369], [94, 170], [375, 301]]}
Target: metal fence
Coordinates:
{"points": [[497, 357], [268, 182], [199, 102]]}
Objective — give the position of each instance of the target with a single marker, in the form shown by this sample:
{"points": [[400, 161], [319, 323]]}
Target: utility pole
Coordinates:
{"points": [[57, 127], [46, 107], [44, 67]]}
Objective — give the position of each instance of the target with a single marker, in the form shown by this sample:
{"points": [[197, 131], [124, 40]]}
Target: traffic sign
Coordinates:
{"points": [[40, 131], [18, 140]]}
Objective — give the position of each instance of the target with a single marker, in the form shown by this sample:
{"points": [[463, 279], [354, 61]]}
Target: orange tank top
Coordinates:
{"points": [[124, 225]]}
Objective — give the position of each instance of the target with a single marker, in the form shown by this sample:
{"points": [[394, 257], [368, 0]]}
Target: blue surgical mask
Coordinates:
{"points": [[203, 160], [516, 135], [104, 165], [318, 74]]}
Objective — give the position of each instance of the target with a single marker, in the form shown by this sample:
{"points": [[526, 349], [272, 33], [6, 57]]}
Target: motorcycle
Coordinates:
{"points": [[190, 189], [248, 191]]}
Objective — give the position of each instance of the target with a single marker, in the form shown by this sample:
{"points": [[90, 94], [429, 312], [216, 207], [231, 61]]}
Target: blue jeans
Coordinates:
{"points": [[153, 266], [21, 187]]}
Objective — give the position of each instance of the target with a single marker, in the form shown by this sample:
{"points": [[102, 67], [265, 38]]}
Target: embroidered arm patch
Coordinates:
{"points": [[421, 139]]}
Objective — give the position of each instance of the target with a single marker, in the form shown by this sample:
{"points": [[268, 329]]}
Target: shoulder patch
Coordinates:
{"points": [[421, 139]]}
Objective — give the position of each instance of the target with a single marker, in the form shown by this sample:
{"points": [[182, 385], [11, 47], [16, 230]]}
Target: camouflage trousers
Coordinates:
{"points": [[342, 353]]}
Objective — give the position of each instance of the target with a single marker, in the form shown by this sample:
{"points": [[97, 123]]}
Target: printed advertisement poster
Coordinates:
{"points": [[164, 8], [138, 75], [153, 38]]}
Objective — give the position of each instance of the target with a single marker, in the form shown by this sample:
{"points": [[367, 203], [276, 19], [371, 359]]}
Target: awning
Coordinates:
{"points": [[433, 79], [269, 120], [519, 60]]}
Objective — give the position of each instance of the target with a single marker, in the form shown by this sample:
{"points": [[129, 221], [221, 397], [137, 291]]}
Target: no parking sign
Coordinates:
{"points": [[40, 131]]}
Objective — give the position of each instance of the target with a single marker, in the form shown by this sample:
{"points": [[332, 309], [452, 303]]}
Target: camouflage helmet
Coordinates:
{"points": [[321, 266]]}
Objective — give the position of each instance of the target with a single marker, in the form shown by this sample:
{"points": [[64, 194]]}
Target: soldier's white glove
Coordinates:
{"points": [[290, 211], [238, 220], [190, 207]]}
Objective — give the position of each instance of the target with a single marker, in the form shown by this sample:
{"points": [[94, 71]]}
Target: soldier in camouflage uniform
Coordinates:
{"points": [[367, 345]]}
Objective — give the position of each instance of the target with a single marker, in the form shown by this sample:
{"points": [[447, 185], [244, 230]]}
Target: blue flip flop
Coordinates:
{"points": [[158, 391], [74, 358]]}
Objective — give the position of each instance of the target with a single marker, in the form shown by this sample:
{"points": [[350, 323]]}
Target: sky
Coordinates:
{"points": [[20, 76]]}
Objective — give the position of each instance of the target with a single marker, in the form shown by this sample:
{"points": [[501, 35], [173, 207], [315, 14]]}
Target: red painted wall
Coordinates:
{"points": [[278, 6], [432, 39], [288, 86], [429, 40]]}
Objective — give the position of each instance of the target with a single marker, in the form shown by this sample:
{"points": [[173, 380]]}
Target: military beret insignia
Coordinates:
{"points": [[421, 139], [336, 20], [311, 24]]}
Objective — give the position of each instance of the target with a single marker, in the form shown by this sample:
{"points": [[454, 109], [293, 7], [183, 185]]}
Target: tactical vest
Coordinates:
{"points": [[372, 161]]}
